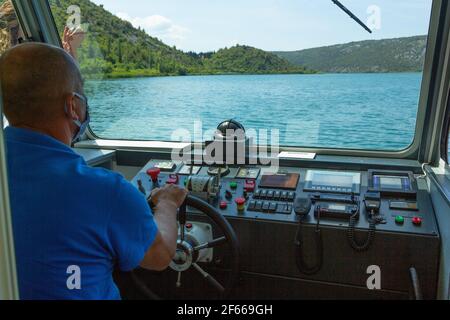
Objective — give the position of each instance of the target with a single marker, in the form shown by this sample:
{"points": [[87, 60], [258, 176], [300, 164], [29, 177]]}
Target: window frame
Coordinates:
{"points": [[446, 134], [430, 80]]}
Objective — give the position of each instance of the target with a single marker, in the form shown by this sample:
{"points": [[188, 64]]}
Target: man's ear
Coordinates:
{"points": [[71, 107]]}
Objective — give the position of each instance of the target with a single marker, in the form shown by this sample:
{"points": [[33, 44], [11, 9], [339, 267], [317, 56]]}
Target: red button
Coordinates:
{"points": [[250, 185], [188, 226], [223, 205], [240, 204], [417, 221]]}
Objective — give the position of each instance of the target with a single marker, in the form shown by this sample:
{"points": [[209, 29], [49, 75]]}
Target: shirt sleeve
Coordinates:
{"points": [[132, 229]]}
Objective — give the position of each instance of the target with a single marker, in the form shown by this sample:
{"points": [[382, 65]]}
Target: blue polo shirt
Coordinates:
{"points": [[72, 223]]}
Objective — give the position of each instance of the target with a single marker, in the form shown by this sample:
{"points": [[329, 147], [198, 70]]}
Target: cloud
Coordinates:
{"points": [[158, 26]]}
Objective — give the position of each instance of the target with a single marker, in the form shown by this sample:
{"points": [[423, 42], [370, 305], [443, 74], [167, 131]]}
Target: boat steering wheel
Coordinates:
{"points": [[187, 254]]}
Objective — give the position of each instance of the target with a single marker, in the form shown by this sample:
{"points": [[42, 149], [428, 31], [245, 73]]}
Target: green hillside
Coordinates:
{"points": [[390, 55], [115, 48], [245, 59]]}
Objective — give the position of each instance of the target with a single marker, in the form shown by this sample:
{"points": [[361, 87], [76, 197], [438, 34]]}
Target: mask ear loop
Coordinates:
{"points": [[76, 122]]}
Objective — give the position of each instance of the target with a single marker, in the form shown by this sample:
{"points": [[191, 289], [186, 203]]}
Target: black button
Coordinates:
{"points": [[291, 196], [277, 195], [284, 208], [263, 194], [251, 205], [257, 194], [273, 207], [281, 208], [270, 195], [258, 206], [266, 206], [284, 195]]}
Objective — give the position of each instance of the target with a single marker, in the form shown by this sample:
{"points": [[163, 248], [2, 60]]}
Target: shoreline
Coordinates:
{"points": [[138, 76]]}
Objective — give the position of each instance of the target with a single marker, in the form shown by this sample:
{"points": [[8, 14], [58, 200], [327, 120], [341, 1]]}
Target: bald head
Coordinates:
{"points": [[36, 80]]}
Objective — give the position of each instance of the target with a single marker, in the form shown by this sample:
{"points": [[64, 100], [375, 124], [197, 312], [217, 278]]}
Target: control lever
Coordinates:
{"points": [[141, 187], [416, 290], [154, 175], [182, 217]]}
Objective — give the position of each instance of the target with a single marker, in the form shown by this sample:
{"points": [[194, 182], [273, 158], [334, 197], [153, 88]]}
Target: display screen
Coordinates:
{"points": [[337, 207], [280, 181], [387, 182], [329, 180], [333, 181]]}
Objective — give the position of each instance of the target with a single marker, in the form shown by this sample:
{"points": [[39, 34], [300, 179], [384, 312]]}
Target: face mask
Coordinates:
{"points": [[81, 125]]}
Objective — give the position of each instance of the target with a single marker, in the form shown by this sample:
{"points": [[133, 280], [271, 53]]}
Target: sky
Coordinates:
{"points": [[272, 25]]}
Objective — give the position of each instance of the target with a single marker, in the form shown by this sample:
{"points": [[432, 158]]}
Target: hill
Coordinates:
{"points": [[245, 59], [389, 55], [115, 48]]}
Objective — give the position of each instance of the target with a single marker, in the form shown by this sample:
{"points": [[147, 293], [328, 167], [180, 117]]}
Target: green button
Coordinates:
{"points": [[399, 220], [233, 185]]}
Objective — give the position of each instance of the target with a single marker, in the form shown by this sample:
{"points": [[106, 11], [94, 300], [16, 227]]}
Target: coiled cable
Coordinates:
{"points": [[370, 237], [299, 258]]}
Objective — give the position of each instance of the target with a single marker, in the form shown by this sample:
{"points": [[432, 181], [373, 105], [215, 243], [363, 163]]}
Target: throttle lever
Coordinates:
{"points": [[182, 217]]}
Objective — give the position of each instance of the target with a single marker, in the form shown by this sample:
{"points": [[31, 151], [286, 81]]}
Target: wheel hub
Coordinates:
{"points": [[184, 257]]}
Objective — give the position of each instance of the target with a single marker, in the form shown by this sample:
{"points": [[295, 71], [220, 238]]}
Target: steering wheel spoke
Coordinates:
{"points": [[212, 244], [209, 278]]}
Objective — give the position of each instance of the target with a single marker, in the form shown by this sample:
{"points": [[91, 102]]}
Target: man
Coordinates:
{"points": [[72, 223]]}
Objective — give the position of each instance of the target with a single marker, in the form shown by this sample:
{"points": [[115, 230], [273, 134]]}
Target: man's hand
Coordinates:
{"points": [[166, 200], [72, 40], [169, 195]]}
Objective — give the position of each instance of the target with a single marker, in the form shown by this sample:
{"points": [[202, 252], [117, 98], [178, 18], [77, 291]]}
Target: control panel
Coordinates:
{"points": [[257, 193]]}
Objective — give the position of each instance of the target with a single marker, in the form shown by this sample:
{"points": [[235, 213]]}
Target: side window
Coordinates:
{"points": [[10, 31]]}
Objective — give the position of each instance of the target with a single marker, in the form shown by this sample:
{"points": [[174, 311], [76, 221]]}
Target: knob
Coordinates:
{"points": [[228, 195], [223, 205], [154, 174]]}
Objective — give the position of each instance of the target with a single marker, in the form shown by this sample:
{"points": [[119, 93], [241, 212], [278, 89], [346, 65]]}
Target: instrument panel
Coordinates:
{"points": [[364, 222], [257, 193]]}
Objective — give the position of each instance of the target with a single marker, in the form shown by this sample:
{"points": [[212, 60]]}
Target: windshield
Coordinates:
{"points": [[304, 69]]}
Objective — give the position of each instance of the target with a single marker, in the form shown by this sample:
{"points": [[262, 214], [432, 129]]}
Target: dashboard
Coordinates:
{"points": [[256, 193], [366, 218]]}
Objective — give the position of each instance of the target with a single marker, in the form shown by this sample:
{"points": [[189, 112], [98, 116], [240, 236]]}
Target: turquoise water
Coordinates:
{"points": [[364, 111]]}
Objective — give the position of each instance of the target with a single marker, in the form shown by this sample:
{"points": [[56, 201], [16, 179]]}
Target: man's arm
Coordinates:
{"points": [[167, 200]]}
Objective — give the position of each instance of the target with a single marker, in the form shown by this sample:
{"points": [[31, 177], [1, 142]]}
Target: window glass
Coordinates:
{"points": [[10, 32], [448, 144], [302, 68]]}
